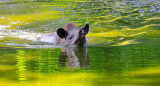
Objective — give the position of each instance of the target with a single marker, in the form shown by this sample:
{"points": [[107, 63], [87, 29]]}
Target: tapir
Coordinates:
{"points": [[68, 35]]}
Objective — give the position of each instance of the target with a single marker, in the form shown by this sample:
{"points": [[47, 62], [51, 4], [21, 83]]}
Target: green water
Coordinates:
{"points": [[124, 43]]}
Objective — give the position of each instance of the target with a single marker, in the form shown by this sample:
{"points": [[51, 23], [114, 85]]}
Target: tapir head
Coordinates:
{"points": [[72, 35]]}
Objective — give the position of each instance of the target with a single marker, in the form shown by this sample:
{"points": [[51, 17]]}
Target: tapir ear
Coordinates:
{"points": [[61, 33], [85, 28]]}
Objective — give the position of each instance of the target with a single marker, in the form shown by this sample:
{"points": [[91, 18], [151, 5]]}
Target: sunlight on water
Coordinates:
{"points": [[123, 43]]}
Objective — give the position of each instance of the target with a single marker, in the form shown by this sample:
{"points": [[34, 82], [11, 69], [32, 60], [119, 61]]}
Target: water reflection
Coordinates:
{"points": [[74, 57], [119, 65], [131, 26]]}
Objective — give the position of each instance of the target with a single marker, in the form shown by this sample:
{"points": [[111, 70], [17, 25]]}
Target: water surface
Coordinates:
{"points": [[124, 41]]}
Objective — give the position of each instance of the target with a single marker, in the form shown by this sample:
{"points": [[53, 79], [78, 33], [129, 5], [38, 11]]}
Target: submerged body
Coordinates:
{"points": [[69, 35], [52, 38], [73, 57]]}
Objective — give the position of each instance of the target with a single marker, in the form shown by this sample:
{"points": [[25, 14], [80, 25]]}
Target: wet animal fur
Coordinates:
{"points": [[70, 39]]}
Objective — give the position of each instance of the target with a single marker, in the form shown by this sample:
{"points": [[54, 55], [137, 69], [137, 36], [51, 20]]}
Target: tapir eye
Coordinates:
{"points": [[82, 31], [71, 37]]}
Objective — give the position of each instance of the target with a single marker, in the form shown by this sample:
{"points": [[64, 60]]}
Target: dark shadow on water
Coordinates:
{"points": [[73, 57]]}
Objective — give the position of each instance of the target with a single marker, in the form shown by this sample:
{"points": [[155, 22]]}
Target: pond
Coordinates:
{"points": [[124, 43]]}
